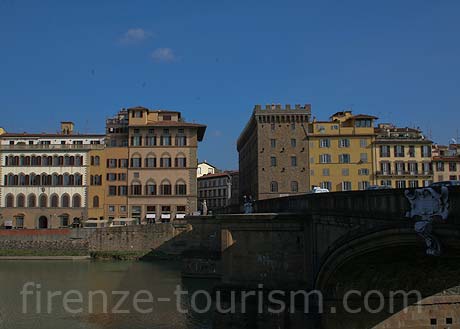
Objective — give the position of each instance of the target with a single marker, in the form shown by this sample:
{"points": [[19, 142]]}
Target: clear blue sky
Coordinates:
{"points": [[213, 60]]}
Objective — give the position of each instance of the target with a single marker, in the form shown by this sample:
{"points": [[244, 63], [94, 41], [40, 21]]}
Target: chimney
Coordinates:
{"points": [[67, 127]]}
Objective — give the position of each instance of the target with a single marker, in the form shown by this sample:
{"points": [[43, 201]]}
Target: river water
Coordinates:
{"points": [[96, 281]]}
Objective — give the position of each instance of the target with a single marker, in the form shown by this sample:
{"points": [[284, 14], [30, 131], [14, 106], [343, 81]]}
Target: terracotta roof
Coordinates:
{"points": [[364, 116]]}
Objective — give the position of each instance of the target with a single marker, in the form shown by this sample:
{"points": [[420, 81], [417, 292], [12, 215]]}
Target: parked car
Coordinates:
{"points": [[446, 183]]}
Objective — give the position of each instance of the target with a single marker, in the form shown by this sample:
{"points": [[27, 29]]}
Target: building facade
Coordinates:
{"points": [[273, 150], [340, 152], [44, 181], [218, 190], [403, 157], [153, 167], [446, 163], [205, 168], [143, 168]]}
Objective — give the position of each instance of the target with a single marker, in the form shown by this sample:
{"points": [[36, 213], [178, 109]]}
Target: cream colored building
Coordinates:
{"points": [[403, 157], [205, 168], [44, 181]]}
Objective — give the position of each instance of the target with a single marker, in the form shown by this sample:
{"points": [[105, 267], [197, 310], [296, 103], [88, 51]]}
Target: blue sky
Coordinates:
{"points": [[213, 60]]}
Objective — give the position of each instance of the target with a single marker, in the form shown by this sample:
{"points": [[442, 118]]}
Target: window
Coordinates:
{"points": [[122, 190], [346, 186], [367, 123], [165, 162], [385, 168], [150, 162], [440, 166], [364, 185], [345, 172], [9, 201], [165, 140], [326, 185], [363, 143], [293, 142], [273, 161], [64, 220], [399, 151], [273, 143], [19, 221], [111, 163], [413, 184], [452, 166], [326, 172], [426, 151], [181, 162], [136, 189], [65, 201], [363, 158], [165, 189], [273, 187], [413, 168], [43, 201], [323, 143], [20, 201], [294, 186], [111, 209], [136, 162], [76, 201], [386, 182], [54, 201], [412, 151], [151, 188], [344, 158], [136, 140], [400, 168], [151, 141], [363, 172], [112, 190], [325, 158], [401, 184], [123, 163], [385, 151], [181, 189], [181, 141], [344, 142], [111, 177], [293, 161], [96, 202], [122, 209]]}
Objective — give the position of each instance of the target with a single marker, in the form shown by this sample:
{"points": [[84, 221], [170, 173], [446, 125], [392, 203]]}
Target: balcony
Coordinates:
{"points": [[404, 173]]}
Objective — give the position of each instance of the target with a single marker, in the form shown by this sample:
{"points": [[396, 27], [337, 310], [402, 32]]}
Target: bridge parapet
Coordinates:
{"points": [[380, 204]]}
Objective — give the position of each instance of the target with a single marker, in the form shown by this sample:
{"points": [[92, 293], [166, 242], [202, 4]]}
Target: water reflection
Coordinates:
{"points": [[161, 280]]}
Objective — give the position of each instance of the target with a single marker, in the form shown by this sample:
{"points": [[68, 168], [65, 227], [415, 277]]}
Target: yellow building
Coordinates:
{"points": [[403, 157], [340, 152]]}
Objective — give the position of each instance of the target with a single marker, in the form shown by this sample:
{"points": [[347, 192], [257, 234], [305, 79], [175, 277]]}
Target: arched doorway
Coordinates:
{"points": [[43, 222]]}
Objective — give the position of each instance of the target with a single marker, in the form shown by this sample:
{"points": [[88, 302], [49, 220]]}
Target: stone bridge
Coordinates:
{"points": [[338, 242]]}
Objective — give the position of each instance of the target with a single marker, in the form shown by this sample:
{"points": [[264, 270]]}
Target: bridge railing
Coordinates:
{"points": [[380, 204]]}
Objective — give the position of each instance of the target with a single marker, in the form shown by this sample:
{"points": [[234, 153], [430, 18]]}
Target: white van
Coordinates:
{"points": [[317, 189]]}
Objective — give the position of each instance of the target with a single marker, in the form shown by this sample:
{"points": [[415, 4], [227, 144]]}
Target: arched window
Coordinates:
{"points": [[66, 180], [96, 202], [9, 201], [97, 160], [151, 188], [22, 179], [136, 188], [20, 201], [55, 179], [273, 187], [76, 201], [65, 201], [54, 201], [181, 188], [71, 180], [165, 188], [31, 201], [43, 201], [78, 180], [165, 161]]}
